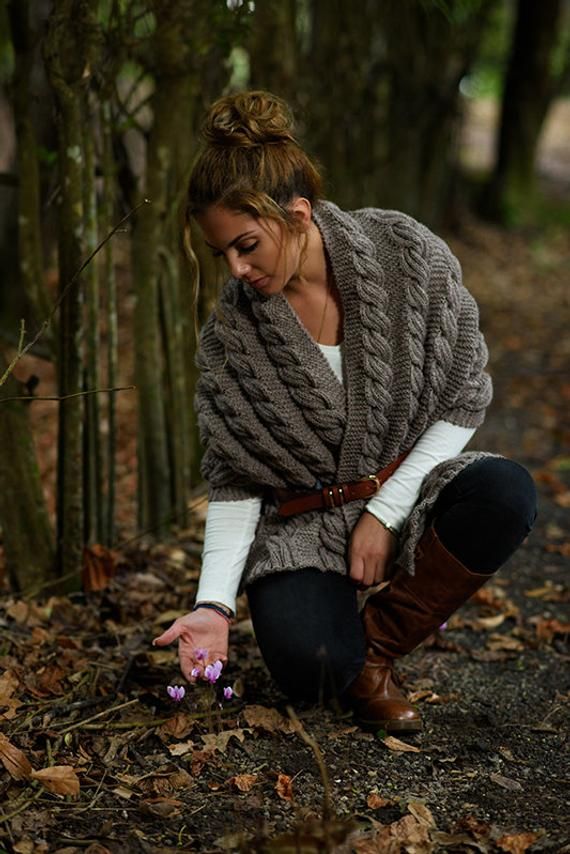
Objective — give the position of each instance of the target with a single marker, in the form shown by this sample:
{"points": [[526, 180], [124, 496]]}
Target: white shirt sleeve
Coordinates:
{"points": [[394, 501], [230, 531]]}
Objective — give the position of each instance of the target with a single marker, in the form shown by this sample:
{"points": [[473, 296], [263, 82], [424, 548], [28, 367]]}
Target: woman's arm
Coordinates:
{"points": [[373, 545], [230, 529]]}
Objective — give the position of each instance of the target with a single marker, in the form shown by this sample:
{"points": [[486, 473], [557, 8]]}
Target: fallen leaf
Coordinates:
{"points": [[8, 684], [547, 629], [563, 499], [559, 549], [181, 749], [179, 725], [98, 568], [243, 782], [375, 801], [219, 741], [490, 622], [506, 782], [58, 779], [517, 843], [399, 746], [123, 792], [162, 807], [506, 642], [284, 787], [421, 813], [269, 720], [14, 761]]}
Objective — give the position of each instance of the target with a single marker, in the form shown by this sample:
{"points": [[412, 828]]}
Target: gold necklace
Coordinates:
{"points": [[325, 308]]}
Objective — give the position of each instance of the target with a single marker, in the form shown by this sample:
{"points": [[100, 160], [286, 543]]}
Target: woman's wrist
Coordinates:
{"points": [[217, 607]]}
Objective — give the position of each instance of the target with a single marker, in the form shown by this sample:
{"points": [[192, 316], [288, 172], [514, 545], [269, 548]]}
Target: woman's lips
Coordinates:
{"points": [[259, 283]]}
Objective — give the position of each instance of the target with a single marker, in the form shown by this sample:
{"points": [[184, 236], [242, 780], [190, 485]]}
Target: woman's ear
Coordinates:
{"points": [[302, 210]]}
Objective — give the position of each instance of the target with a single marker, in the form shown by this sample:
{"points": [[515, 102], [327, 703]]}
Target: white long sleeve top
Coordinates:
{"points": [[231, 525]]}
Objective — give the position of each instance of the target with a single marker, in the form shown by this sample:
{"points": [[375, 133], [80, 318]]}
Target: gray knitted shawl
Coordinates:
{"points": [[271, 411]]}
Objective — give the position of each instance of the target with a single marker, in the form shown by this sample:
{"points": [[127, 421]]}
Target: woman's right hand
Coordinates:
{"points": [[199, 630]]}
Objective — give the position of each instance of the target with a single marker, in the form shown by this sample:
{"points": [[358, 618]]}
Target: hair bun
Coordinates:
{"points": [[249, 119]]}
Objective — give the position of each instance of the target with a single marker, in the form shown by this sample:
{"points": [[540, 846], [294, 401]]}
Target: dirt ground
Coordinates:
{"points": [[97, 758]]}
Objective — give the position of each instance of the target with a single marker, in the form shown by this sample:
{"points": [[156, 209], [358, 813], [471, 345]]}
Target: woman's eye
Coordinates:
{"points": [[245, 250]]}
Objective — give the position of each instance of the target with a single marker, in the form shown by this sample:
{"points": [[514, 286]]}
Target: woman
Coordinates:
{"points": [[342, 374]]}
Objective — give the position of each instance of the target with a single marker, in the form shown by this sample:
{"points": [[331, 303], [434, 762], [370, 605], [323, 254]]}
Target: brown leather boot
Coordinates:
{"points": [[396, 620]]}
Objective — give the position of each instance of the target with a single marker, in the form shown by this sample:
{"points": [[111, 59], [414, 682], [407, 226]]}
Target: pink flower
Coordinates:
{"points": [[196, 672], [200, 654], [212, 671], [443, 626], [228, 693], [176, 692]]}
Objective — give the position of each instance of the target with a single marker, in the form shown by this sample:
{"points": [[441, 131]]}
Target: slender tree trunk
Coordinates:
{"points": [[29, 226], [109, 280], [68, 52], [93, 470], [529, 87], [26, 530]]}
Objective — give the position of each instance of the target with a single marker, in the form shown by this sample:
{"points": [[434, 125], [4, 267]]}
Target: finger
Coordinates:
{"points": [[357, 569], [168, 636]]}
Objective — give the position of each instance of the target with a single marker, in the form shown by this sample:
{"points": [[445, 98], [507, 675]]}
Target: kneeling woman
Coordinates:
{"points": [[342, 374]]}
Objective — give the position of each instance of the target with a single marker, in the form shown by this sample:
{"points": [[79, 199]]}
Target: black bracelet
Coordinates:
{"points": [[222, 610]]}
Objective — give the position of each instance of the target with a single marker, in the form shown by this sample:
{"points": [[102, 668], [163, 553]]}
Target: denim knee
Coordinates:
{"points": [[315, 672]]}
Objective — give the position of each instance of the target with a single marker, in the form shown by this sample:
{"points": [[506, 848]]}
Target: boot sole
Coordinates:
{"points": [[392, 726]]}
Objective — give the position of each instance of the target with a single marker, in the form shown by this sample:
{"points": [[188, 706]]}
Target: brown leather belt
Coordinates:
{"points": [[329, 497]]}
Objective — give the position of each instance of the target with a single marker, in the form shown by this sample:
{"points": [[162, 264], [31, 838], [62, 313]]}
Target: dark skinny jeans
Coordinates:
{"points": [[307, 623]]}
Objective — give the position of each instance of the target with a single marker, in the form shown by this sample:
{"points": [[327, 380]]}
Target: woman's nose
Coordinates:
{"points": [[238, 267]]}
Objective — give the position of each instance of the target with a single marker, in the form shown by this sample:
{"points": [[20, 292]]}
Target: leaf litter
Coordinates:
{"points": [[92, 749]]}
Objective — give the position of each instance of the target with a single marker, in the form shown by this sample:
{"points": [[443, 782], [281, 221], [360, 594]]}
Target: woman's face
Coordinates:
{"points": [[258, 251]]}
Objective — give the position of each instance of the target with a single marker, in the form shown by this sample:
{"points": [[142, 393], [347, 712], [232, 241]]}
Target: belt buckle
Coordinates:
{"points": [[376, 480]]}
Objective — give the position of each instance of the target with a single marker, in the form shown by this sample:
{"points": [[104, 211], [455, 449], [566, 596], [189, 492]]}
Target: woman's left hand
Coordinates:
{"points": [[371, 551]]}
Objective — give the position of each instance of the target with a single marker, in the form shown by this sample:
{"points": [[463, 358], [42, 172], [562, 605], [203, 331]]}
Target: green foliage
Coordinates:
{"points": [[486, 78]]}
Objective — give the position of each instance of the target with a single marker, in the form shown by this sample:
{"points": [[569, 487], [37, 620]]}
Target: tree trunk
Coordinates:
{"points": [[529, 87], [68, 56], [428, 50], [26, 530], [29, 225]]}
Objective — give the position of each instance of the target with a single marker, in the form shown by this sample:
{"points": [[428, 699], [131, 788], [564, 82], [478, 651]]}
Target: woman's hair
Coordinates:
{"points": [[251, 161]]}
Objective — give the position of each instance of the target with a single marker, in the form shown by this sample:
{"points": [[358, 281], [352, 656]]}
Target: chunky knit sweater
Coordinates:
{"points": [[272, 413]]}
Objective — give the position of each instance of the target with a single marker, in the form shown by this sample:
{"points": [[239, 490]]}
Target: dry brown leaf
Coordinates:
{"points": [[517, 843], [58, 779], [549, 592], [14, 761], [243, 782], [284, 787], [400, 746], [219, 741], [559, 548], [8, 684], [490, 622], [563, 499], [179, 726], [181, 749], [504, 642], [123, 792], [162, 807], [421, 813], [181, 779], [269, 720], [546, 629], [506, 782], [375, 801], [19, 611], [98, 568]]}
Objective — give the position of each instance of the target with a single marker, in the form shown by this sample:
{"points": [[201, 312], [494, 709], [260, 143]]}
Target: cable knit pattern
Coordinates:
{"points": [[271, 412]]}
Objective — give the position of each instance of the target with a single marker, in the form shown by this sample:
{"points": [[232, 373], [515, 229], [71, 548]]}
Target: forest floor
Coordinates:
{"points": [[97, 758], [118, 766]]}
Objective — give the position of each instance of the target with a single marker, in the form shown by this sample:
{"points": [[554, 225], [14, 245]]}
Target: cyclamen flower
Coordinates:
{"points": [[443, 626], [212, 671], [176, 692], [195, 672], [228, 693], [200, 654]]}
